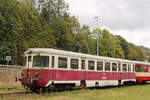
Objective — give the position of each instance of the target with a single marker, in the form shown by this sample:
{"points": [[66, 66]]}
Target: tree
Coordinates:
{"points": [[89, 44], [107, 44], [47, 24], [119, 50]]}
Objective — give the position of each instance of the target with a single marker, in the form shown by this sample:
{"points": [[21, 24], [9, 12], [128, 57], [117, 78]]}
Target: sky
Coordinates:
{"points": [[128, 18]]}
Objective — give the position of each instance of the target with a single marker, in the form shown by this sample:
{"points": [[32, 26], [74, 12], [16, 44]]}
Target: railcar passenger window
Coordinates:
{"points": [[40, 61], [82, 64], [74, 63], [142, 67], [133, 68], [62, 62], [107, 66], [53, 62], [114, 67], [99, 65], [138, 68], [149, 69], [129, 67], [124, 67], [145, 69], [91, 65]]}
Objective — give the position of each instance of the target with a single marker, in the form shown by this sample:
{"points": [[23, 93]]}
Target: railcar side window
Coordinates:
{"points": [[99, 65], [107, 66], [74, 63], [91, 65], [142, 68], [148, 69], [133, 68], [114, 67], [53, 62], [129, 67], [145, 69], [124, 67], [40, 61], [82, 64], [62, 62], [138, 68]]}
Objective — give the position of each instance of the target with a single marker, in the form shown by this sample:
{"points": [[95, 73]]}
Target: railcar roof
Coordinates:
{"points": [[74, 54]]}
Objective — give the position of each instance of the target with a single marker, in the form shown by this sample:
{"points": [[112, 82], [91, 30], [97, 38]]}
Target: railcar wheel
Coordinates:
{"points": [[96, 84], [119, 82], [83, 84], [144, 82], [52, 89], [68, 87], [35, 89]]}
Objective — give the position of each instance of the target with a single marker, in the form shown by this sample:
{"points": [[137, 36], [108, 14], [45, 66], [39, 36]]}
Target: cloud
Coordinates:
{"points": [[136, 37], [128, 18]]}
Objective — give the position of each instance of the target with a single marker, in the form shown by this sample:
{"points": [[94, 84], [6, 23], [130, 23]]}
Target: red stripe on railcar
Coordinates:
{"points": [[46, 75]]}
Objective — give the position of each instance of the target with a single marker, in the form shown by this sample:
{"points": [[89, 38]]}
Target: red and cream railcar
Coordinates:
{"points": [[142, 72], [51, 67]]}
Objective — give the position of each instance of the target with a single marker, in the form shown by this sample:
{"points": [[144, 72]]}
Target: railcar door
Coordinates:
{"points": [[120, 75], [53, 66], [83, 72]]}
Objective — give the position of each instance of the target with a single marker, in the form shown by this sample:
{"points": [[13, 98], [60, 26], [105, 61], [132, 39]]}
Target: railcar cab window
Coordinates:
{"points": [[74, 63], [107, 66], [99, 65], [138, 68], [29, 58], [114, 67], [29, 62], [62, 62], [124, 67], [82, 64], [40, 61], [24, 61], [91, 65]]}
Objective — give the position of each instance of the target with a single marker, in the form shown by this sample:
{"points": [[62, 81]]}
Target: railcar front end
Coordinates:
{"points": [[35, 73]]}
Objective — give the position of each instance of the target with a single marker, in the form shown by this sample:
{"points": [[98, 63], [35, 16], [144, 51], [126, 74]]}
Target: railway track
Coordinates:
{"points": [[9, 88], [40, 92], [20, 92], [14, 94]]}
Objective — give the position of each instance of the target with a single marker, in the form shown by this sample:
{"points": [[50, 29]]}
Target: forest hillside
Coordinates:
{"points": [[48, 24]]}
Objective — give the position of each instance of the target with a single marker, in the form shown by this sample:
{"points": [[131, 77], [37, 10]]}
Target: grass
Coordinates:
{"points": [[139, 92], [7, 80]]}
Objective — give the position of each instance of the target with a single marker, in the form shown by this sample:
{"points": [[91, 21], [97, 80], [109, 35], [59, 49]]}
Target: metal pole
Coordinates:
{"points": [[97, 37], [97, 43], [7, 65]]}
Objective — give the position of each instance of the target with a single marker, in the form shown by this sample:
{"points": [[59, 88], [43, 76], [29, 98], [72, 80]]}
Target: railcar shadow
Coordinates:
{"points": [[120, 86], [89, 88]]}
